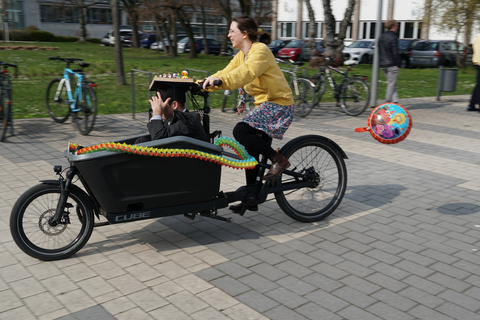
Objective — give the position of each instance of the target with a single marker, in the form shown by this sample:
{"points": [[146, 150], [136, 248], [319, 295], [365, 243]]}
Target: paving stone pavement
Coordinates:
{"points": [[403, 244]]}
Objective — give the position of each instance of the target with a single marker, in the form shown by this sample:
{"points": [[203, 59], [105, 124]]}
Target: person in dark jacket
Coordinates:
{"points": [[390, 61], [169, 116]]}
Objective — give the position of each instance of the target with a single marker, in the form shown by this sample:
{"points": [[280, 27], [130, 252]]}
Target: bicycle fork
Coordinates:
{"points": [[64, 193]]}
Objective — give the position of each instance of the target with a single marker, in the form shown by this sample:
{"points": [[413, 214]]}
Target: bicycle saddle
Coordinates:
{"points": [[83, 64]]}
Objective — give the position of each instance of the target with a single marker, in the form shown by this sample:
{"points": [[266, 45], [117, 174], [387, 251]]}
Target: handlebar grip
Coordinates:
{"points": [[217, 83]]}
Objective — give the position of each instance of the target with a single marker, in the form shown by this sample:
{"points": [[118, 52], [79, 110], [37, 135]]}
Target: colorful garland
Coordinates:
{"points": [[247, 162]]}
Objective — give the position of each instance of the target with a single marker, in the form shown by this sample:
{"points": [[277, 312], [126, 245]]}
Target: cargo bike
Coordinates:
{"points": [[55, 219]]}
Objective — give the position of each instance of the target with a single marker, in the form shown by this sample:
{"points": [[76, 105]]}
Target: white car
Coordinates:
{"points": [[360, 49]]}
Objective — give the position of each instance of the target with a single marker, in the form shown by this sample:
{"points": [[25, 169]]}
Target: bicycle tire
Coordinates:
{"points": [[4, 112], [304, 101], [318, 155], [36, 237], [58, 110], [354, 96], [87, 110]]}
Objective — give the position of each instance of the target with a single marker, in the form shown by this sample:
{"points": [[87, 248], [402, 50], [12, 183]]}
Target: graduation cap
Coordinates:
{"points": [[174, 88]]}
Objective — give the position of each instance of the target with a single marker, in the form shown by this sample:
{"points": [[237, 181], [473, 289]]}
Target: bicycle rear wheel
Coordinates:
{"points": [[4, 113], [322, 160], [305, 98], [354, 96], [58, 103], [87, 110]]}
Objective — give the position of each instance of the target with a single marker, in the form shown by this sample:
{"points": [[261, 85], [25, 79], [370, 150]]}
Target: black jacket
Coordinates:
{"points": [[388, 50], [183, 124]]}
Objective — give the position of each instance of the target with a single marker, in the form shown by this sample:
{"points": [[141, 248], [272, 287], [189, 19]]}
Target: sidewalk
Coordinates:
{"points": [[403, 244]]}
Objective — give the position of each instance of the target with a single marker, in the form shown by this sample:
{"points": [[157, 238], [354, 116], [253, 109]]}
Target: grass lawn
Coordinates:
{"points": [[36, 72]]}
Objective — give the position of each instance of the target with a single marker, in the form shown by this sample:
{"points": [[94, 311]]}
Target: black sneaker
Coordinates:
{"points": [[472, 109]]}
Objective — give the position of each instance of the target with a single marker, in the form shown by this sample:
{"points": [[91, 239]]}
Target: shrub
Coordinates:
{"points": [[93, 40], [30, 28], [42, 36], [64, 39]]}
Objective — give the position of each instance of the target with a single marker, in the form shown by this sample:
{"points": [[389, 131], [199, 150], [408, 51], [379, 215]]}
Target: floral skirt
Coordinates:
{"points": [[271, 118]]}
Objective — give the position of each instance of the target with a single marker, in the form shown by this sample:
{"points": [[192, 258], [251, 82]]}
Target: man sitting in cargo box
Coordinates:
{"points": [[169, 116]]}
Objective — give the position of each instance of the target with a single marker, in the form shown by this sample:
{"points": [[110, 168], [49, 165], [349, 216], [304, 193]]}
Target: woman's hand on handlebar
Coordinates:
{"points": [[210, 81]]}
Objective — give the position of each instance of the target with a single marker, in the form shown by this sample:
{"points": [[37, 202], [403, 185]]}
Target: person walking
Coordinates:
{"points": [[475, 99], [390, 61]]}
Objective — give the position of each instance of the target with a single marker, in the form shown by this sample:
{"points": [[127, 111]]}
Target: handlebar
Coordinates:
{"points": [[67, 60]]}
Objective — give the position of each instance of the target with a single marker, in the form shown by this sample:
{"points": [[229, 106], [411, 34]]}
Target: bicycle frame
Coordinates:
{"points": [[78, 91]]}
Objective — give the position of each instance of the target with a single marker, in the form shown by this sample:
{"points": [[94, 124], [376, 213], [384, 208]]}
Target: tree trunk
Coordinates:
{"points": [[118, 46], [82, 22], [311, 29], [134, 23], [173, 43], [204, 31], [224, 6], [334, 43], [188, 30]]}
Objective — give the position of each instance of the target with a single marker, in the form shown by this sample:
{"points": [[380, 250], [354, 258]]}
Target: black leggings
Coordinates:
{"points": [[256, 142]]}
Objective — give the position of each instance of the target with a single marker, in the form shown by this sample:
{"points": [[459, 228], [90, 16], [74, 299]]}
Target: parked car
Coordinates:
{"points": [[159, 45], [405, 46], [292, 50], [214, 47], [147, 40], [125, 38], [362, 48], [276, 45], [105, 40], [435, 53], [305, 54]]}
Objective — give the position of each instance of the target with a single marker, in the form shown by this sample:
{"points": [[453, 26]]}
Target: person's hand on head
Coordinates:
{"points": [[158, 105]]}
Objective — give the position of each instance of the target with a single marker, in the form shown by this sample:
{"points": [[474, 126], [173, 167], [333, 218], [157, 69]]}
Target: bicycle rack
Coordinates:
{"points": [[132, 86]]}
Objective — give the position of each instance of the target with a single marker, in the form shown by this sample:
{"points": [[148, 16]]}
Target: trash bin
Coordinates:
{"points": [[448, 79]]}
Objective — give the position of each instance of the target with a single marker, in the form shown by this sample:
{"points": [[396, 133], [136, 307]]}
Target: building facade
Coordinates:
{"points": [[292, 19]]}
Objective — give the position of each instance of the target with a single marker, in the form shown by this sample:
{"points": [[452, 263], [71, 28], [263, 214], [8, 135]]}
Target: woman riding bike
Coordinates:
{"points": [[255, 69]]}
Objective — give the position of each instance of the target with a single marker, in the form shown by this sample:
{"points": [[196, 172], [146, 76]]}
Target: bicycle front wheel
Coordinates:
{"points": [[58, 103], [4, 113], [321, 160], [36, 236], [304, 99], [354, 96], [87, 110]]}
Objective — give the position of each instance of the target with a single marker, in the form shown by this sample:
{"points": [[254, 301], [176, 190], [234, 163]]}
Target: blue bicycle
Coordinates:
{"points": [[61, 102]]}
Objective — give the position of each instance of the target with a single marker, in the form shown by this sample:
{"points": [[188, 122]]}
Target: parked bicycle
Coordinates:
{"points": [[61, 102], [352, 93], [243, 100], [302, 89], [6, 114]]}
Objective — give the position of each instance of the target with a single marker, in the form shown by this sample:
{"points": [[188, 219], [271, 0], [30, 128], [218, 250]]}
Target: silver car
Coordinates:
{"points": [[363, 49], [435, 53]]}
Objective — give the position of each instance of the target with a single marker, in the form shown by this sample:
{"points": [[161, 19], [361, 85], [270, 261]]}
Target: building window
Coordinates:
{"points": [[372, 30], [99, 16], [15, 14], [287, 29], [364, 31], [58, 14], [409, 27], [315, 34]]}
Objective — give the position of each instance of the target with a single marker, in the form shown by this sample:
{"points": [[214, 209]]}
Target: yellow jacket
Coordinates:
{"points": [[476, 51], [260, 76]]}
